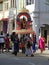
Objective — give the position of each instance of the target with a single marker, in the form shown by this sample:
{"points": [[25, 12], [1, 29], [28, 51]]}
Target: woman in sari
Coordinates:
{"points": [[41, 44]]}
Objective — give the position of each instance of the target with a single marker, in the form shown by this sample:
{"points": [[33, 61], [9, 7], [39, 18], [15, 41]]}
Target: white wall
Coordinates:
{"points": [[44, 12], [1, 15], [6, 14], [44, 18]]}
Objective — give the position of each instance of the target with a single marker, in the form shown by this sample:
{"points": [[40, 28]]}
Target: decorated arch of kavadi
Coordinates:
{"points": [[23, 22]]}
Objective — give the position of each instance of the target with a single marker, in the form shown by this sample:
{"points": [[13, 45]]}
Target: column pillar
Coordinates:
{"points": [[36, 24], [9, 30], [36, 18]]}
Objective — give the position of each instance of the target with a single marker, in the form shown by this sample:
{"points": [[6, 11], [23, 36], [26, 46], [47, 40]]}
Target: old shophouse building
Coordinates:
{"points": [[38, 10]]}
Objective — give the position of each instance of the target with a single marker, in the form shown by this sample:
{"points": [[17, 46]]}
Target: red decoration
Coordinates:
{"points": [[27, 22], [18, 28], [18, 23]]}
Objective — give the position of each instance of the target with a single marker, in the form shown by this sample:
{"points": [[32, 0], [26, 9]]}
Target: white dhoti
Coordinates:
{"points": [[28, 51]]}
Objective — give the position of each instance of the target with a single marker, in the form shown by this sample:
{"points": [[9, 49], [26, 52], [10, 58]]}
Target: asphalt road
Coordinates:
{"points": [[9, 59]]}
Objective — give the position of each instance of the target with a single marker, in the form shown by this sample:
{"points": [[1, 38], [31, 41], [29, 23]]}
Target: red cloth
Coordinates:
{"points": [[20, 45], [7, 42]]}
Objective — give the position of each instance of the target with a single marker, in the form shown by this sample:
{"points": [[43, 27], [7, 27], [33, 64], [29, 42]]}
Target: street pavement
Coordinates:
{"points": [[45, 53], [21, 59]]}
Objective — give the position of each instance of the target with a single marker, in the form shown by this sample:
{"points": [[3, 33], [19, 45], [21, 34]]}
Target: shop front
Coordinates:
{"points": [[4, 24], [45, 32]]}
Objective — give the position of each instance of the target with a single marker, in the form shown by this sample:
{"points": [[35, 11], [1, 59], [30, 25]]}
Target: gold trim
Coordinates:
{"points": [[24, 31], [24, 10]]}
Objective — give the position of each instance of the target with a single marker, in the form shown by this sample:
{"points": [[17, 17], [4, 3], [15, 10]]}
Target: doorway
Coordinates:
{"points": [[45, 35], [5, 25]]}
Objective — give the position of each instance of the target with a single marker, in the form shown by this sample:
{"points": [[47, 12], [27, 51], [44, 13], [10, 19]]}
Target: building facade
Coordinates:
{"points": [[38, 10], [40, 16], [7, 15]]}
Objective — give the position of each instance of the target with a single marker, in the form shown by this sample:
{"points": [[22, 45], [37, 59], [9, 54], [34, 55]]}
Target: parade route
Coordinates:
{"points": [[21, 59]]}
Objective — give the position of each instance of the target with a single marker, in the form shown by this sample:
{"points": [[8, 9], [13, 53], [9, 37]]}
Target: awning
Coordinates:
{"points": [[4, 19], [23, 31]]}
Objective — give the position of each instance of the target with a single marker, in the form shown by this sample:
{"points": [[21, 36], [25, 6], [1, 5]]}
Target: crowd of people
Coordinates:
{"points": [[4, 42], [25, 43]]}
